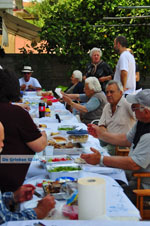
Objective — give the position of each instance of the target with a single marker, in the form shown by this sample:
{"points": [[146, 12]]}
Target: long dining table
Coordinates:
{"points": [[119, 209]]}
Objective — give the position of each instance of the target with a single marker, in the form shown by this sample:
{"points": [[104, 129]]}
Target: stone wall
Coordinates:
{"points": [[49, 70]]}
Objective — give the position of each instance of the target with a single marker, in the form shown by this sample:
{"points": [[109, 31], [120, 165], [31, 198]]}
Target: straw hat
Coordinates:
{"points": [[27, 69]]}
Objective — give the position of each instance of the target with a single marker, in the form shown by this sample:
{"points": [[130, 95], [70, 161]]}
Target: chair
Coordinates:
{"points": [[96, 121], [122, 151], [140, 194]]}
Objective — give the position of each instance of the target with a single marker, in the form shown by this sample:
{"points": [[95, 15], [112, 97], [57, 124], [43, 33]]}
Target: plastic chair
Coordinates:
{"points": [[96, 121]]}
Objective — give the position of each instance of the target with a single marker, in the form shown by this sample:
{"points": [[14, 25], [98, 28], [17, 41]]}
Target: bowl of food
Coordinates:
{"points": [[63, 170], [65, 128], [78, 136]]}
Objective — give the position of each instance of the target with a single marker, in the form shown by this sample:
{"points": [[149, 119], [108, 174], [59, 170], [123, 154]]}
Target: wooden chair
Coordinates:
{"points": [[122, 151], [140, 194]]}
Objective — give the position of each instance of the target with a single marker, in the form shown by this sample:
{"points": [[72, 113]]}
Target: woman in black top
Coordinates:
{"points": [[98, 68]]}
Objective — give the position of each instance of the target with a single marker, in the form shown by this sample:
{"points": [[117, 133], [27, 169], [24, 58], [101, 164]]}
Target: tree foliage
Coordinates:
{"points": [[72, 27]]}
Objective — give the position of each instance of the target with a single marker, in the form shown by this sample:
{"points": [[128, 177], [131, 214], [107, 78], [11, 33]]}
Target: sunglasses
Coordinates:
{"points": [[134, 108]]}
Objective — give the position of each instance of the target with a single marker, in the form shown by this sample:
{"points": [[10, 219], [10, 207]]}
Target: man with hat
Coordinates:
{"points": [[138, 139], [27, 82]]}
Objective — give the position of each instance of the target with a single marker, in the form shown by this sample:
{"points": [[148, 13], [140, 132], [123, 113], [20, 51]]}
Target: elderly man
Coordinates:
{"points": [[138, 138], [94, 100], [24, 193], [98, 68], [117, 115], [27, 82], [125, 69], [77, 84]]}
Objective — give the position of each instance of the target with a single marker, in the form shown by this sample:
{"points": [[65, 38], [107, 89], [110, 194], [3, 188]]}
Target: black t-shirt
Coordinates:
{"points": [[19, 129], [103, 69]]}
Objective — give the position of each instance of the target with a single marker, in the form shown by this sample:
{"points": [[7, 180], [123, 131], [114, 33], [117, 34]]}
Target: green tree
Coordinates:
{"points": [[72, 27]]}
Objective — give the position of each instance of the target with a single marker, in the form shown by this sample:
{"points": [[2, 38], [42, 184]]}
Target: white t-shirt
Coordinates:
{"points": [[126, 62], [33, 81]]}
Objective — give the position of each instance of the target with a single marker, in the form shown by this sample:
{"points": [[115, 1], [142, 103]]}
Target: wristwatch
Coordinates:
{"points": [[101, 161]]}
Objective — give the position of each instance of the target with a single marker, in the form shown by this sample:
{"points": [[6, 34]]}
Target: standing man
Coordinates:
{"points": [[125, 69], [27, 82]]}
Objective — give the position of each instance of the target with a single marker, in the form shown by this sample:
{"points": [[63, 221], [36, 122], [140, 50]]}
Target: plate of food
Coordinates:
{"points": [[60, 139]]}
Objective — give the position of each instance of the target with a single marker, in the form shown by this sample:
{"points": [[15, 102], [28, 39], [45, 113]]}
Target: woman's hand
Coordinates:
{"points": [[67, 99]]}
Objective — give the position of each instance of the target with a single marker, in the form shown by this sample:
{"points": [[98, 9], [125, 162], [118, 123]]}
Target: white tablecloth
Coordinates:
{"points": [[118, 206], [77, 223]]}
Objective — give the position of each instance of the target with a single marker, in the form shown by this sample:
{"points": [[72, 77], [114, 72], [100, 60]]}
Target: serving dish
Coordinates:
{"points": [[78, 138], [75, 149], [59, 189], [65, 128], [57, 159], [63, 170], [78, 135]]}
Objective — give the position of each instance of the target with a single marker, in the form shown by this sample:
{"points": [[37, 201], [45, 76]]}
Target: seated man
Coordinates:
{"points": [[138, 138], [117, 116], [27, 82], [94, 100], [8, 200]]}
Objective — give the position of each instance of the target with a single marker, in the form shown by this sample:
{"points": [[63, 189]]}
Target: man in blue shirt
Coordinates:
{"points": [[9, 200]]}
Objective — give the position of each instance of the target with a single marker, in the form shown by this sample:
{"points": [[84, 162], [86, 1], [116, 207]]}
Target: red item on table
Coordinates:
{"points": [[70, 211]]}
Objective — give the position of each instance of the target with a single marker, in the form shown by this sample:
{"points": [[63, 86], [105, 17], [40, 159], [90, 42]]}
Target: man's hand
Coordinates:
{"points": [[93, 130], [44, 206], [92, 159], [23, 87], [30, 87], [96, 131], [24, 193]]}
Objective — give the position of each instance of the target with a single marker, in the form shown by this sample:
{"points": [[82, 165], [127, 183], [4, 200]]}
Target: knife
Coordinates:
{"points": [[37, 194], [58, 118]]}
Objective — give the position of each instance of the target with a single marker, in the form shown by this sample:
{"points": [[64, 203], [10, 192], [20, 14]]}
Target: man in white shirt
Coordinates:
{"points": [[125, 69], [27, 82], [117, 116]]}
